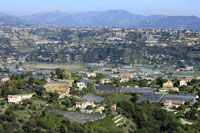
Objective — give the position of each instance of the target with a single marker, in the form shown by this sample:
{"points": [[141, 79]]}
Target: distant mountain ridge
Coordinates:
{"points": [[111, 18], [10, 20]]}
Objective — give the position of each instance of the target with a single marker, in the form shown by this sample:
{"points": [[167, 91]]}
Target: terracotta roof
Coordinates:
{"points": [[126, 77], [81, 102], [5, 79], [12, 96], [186, 79]]}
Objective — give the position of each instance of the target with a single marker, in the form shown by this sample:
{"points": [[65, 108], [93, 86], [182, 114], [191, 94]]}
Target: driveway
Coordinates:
{"points": [[184, 122]]}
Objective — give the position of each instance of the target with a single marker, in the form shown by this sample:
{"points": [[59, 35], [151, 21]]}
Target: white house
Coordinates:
{"points": [[125, 78], [14, 99], [91, 74], [26, 96], [81, 85], [189, 68], [100, 109], [82, 105], [106, 80], [184, 81], [4, 80]]}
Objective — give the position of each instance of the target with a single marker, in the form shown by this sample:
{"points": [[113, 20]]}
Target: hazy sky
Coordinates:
{"points": [[141, 7]]}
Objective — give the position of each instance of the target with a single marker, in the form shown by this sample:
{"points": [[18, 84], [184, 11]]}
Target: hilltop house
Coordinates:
{"points": [[14, 99], [103, 81], [125, 78], [4, 80], [91, 74], [82, 84], [184, 81], [106, 80], [84, 104]]}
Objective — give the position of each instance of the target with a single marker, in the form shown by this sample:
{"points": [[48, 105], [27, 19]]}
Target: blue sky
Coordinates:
{"points": [[141, 7]]}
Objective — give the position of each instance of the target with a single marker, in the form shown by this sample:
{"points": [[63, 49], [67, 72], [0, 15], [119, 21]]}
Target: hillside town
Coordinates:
{"points": [[91, 91], [76, 45], [45, 76]]}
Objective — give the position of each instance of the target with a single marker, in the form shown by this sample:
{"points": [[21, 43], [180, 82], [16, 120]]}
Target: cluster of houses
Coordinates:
{"points": [[162, 95], [91, 100], [62, 87]]}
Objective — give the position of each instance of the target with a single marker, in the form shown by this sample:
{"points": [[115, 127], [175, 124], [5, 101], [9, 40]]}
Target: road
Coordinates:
{"points": [[184, 122], [13, 66]]}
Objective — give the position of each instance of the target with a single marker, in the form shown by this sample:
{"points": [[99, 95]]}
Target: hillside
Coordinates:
{"points": [[111, 18], [115, 18]]}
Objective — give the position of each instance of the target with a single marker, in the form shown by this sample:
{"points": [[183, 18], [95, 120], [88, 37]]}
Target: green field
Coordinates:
{"points": [[189, 75], [48, 67], [122, 97]]}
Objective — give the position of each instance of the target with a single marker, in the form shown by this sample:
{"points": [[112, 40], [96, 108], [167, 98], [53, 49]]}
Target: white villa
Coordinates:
{"points": [[83, 104], [81, 85], [184, 81], [14, 99]]}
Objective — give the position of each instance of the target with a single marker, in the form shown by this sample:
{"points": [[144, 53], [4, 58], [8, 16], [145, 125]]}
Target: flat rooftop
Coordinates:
{"points": [[180, 97], [151, 97], [124, 89], [93, 98]]}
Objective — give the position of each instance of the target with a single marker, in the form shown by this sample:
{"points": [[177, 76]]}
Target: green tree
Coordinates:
{"points": [[63, 129], [110, 100], [1, 128], [54, 96], [143, 83], [192, 114], [134, 97], [66, 75], [160, 81]]}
